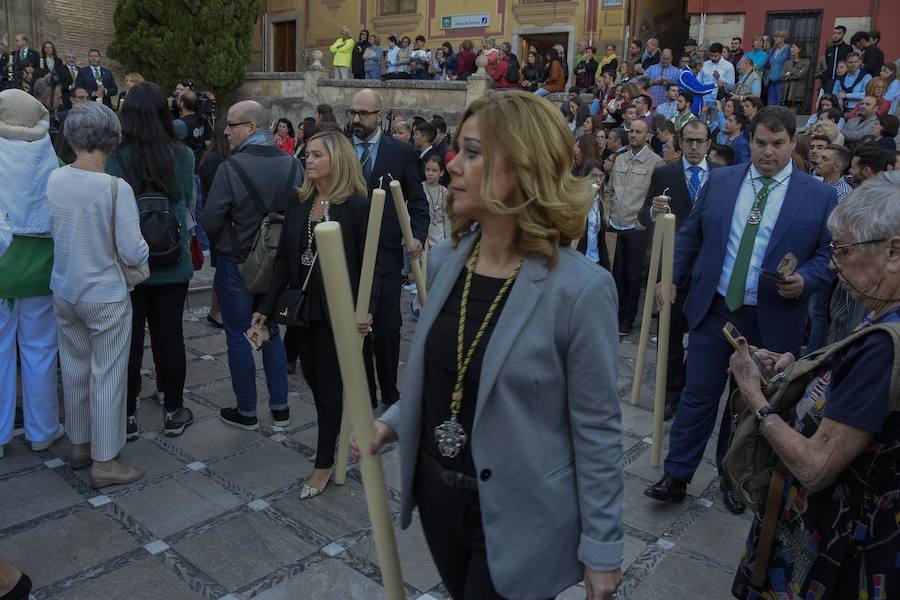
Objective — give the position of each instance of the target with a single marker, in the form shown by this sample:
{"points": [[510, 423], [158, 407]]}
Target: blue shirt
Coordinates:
{"points": [[759, 58], [393, 58], [741, 150], [657, 71], [745, 198], [374, 143], [593, 229], [668, 109], [777, 58]]}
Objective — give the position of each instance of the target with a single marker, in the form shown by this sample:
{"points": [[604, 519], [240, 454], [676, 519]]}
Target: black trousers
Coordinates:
{"points": [[291, 343], [628, 270], [675, 372], [451, 521], [385, 340], [162, 308], [318, 360]]}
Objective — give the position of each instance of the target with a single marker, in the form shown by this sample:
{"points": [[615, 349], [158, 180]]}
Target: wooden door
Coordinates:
{"points": [[285, 46]]}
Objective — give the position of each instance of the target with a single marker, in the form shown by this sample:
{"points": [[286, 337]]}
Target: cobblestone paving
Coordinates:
{"points": [[218, 514]]}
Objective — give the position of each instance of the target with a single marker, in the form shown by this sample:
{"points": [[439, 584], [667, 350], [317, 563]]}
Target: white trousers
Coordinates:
{"points": [[29, 326], [94, 342]]}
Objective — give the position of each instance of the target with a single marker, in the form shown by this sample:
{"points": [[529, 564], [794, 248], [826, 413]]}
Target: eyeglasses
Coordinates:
{"points": [[362, 114], [841, 250], [693, 141], [233, 125]]}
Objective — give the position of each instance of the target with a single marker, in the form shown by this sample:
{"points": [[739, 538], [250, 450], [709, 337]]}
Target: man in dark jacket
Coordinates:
{"points": [[384, 159], [836, 51], [258, 179]]}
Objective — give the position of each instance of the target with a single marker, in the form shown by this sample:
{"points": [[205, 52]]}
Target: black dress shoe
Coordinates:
{"points": [[731, 499], [667, 489], [292, 366], [669, 411]]}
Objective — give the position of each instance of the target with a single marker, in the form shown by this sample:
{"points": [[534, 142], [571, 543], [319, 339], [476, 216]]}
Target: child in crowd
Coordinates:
{"points": [[439, 227]]}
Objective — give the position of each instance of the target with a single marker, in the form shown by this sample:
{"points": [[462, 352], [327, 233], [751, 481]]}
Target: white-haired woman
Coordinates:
{"points": [[94, 221], [836, 533], [27, 324]]}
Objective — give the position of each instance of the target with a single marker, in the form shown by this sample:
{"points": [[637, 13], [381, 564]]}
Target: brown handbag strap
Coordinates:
{"points": [[767, 528]]}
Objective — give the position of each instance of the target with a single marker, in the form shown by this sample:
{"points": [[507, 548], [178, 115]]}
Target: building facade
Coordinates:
{"points": [[808, 22], [290, 29], [71, 26]]}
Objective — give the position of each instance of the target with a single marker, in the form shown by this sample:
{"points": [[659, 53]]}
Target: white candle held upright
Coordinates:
{"points": [[356, 391], [403, 216], [373, 233]]}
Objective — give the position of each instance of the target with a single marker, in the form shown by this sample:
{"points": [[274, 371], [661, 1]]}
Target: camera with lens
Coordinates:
{"points": [[206, 106]]}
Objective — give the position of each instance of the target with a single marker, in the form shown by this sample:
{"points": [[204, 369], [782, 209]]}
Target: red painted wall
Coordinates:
{"points": [[755, 17]]}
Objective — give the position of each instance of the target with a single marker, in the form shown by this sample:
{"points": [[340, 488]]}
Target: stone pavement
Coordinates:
{"points": [[218, 513]]}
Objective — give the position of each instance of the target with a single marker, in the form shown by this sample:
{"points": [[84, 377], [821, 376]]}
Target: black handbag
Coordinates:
{"points": [[292, 303]]}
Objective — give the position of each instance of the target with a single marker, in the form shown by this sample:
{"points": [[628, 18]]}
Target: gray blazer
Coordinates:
{"points": [[547, 422]]}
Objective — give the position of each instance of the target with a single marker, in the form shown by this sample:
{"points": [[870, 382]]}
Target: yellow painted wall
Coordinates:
{"points": [[325, 18]]}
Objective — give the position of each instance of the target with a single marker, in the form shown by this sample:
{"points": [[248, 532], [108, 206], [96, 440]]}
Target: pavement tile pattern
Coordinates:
{"points": [[218, 514]]}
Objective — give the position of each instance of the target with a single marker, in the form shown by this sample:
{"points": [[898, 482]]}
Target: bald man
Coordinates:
{"points": [[383, 159], [258, 179]]}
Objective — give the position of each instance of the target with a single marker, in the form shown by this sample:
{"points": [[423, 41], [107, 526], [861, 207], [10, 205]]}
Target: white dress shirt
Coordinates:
{"points": [[745, 199], [726, 74]]}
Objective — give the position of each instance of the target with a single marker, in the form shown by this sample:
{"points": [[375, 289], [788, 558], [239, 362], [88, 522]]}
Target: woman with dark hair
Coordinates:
{"points": [[218, 152], [284, 135], [450, 60], [585, 149], [465, 60], [826, 103], [152, 161], [885, 130], [593, 242], [556, 76], [532, 72], [358, 58], [795, 73], [51, 64]]}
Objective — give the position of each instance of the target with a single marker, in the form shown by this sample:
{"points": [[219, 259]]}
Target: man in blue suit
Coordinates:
{"points": [[98, 81], [747, 219]]}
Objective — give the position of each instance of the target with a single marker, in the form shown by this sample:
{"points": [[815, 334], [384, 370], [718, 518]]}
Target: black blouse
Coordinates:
{"points": [[440, 365]]}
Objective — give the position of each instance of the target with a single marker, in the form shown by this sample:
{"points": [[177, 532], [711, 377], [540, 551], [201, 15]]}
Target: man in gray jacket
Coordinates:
{"points": [[258, 179], [863, 125]]}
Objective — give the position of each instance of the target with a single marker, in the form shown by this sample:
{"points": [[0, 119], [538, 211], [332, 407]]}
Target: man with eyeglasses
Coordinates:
{"points": [[384, 159], [748, 218], [676, 188], [258, 179]]}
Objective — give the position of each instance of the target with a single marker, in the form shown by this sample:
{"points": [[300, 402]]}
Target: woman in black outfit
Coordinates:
{"points": [[532, 72], [334, 190], [357, 60]]}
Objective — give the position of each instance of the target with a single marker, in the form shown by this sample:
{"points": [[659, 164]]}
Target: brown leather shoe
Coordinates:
{"points": [[112, 472], [81, 456]]}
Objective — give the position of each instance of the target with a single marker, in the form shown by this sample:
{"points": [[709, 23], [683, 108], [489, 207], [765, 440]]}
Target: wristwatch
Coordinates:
{"points": [[763, 412]]}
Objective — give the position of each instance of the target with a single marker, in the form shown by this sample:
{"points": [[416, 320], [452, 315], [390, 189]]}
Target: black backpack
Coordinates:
{"points": [[159, 226], [512, 73]]}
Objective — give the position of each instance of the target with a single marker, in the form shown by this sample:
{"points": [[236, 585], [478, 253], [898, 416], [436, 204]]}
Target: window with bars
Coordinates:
{"points": [[398, 7]]}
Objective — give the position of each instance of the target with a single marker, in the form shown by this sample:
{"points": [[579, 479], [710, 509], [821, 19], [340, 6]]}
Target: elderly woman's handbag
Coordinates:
{"points": [[291, 309], [133, 275]]}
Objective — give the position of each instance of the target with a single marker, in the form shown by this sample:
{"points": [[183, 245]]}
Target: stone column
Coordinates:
{"points": [[478, 82]]}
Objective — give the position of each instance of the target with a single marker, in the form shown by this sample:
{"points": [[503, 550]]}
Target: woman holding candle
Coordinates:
{"points": [[509, 419], [334, 190]]}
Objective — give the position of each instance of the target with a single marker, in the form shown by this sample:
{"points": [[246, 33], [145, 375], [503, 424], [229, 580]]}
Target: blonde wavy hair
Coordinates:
{"points": [[346, 172], [530, 134], [826, 128]]}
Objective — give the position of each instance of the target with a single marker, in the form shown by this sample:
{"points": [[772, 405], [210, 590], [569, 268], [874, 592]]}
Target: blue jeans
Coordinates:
{"points": [[818, 316], [541, 92], [237, 306], [198, 210], [775, 89]]}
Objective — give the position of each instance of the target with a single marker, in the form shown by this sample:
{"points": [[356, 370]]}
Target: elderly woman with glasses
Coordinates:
{"points": [[836, 530]]}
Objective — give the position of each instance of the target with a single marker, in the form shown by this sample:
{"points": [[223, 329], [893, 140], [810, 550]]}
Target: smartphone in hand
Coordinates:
{"points": [[732, 334]]}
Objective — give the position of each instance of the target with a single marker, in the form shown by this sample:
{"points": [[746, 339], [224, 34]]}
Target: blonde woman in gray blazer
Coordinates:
{"points": [[515, 466]]}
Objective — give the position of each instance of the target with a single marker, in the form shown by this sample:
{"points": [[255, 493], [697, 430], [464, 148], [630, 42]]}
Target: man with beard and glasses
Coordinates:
{"points": [[384, 159]]}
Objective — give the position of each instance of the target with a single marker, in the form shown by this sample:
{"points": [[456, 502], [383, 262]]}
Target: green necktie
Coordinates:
{"points": [[734, 299]]}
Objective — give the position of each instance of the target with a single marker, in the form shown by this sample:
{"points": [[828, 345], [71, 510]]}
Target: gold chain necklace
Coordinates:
{"points": [[450, 435]]}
